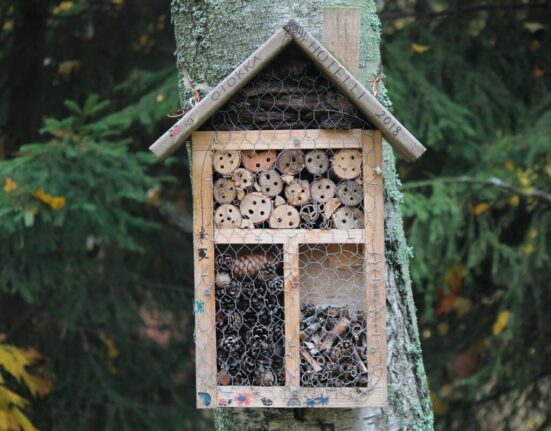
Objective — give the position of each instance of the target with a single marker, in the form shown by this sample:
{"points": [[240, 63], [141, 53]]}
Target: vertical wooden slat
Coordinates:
{"points": [[375, 259], [341, 35], [292, 315], [204, 302]]}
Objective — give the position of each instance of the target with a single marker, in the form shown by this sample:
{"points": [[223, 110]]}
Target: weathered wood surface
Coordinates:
{"points": [[341, 35], [173, 138], [396, 134], [204, 304], [278, 140]]}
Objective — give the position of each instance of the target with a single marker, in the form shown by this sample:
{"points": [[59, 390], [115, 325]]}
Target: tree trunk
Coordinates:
{"points": [[214, 37]]}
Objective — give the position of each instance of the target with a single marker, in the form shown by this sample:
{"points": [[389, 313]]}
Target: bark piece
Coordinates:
{"points": [[270, 183], [227, 217], [279, 201], [310, 360], [347, 164], [322, 190], [316, 162], [243, 178], [258, 161], [285, 217], [348, 218], [287, 179], [290, 162], [350, 193], [340, 328], [256, 207], [225, 162], [331, 206], [224, 191], [298, 192]]}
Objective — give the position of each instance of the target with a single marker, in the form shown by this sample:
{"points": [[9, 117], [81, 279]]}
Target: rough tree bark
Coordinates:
{"points": [[212, 38]]}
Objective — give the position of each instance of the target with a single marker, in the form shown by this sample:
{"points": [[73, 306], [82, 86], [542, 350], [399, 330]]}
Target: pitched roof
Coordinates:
{"points": [[394, 132]]}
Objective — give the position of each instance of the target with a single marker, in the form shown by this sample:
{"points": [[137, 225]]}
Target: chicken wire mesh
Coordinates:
{"points": [[295, 192]]}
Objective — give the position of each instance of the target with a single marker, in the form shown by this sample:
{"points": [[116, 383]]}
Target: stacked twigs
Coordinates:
{"points": [[333, 347]]}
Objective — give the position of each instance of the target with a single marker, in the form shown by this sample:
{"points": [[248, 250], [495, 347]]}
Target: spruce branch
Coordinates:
{"points": [[175, 216], [492, 181], [464, 10]]}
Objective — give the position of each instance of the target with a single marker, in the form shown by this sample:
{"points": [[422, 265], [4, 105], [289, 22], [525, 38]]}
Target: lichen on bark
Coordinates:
{"points": [[213, 37]]}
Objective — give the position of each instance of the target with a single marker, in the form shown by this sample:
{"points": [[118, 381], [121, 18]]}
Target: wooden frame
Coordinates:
{"points": [[209, 394]]}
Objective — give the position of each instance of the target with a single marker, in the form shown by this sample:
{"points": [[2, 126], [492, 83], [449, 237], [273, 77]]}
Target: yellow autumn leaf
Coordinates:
{"points": [[57, 203], [528, 249], [501, 322], [112, 354], [514, 201], [9, 185], [112, 349], [399, 23], [68, 66], [153, 194], [440, 408], [509, 165], [524, 181], [22, 420], [8, 398], [454, 277], [481, 208], [38, 386], [13, 360], [64, 6], [462, 305], [418, 48], [8, 25], [4, 420]]}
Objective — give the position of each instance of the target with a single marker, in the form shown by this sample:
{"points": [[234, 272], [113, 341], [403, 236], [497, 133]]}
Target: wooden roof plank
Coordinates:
{"points": [[173, 138], [394, 132]]}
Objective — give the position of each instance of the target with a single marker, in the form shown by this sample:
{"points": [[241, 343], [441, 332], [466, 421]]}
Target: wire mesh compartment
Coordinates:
{"points": [[333, 327], [250, 328]]}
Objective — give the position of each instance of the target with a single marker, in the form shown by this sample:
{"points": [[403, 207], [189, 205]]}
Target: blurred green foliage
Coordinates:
{"points": [[475, 88], [94, 242]]}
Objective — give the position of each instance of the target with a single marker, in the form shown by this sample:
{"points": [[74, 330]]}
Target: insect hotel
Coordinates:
{"points": [[288, 230]]}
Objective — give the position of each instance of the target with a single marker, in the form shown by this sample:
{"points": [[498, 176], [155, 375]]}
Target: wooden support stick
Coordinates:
{"points": [[310, 359], [330, 338]]}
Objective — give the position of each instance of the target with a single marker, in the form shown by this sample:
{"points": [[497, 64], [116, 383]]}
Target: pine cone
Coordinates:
{"points": [[248, 266]]}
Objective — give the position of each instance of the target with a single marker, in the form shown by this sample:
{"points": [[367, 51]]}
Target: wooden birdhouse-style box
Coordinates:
{"points": [[288, 230]]}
